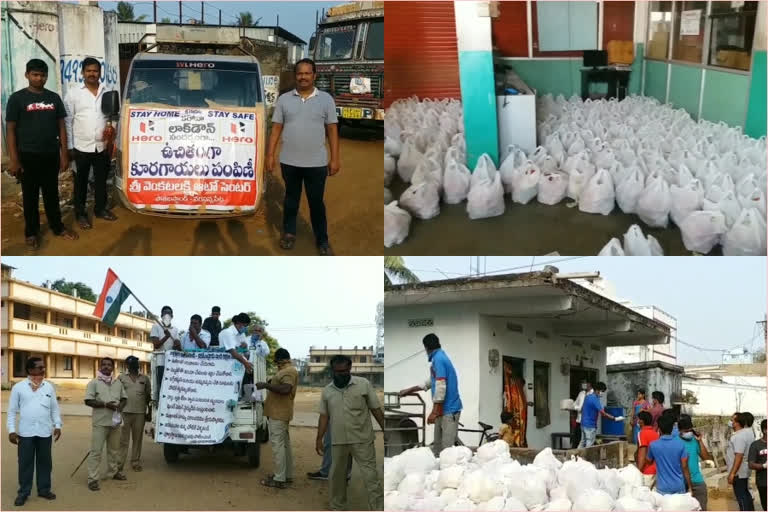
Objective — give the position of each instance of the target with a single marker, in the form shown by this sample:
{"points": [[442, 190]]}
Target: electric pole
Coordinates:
{"points": [[202, 13], [154, 8], [181, 20]]}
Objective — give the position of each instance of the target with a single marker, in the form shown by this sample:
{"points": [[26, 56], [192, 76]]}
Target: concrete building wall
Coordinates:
{"points": [[530, 346], [623, 385], [406, 363], [723, 399]]}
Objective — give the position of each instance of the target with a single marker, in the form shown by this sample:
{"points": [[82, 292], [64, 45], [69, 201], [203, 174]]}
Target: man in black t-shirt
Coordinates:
{"points": [[757, 458], [37, 148], [212, 324]]}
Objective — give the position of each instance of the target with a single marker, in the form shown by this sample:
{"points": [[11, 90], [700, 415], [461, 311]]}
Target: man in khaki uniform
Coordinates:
{"points": [[278, 407], [347, 404], [139, 392], [107, 397]]}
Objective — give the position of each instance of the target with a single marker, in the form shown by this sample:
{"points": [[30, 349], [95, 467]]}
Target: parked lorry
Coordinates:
{"points": [[348, 50], [191, 131], [247, 425]]}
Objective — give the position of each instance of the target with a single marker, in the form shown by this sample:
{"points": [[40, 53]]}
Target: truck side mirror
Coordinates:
{"points": [[312, 41], [110, 103]]}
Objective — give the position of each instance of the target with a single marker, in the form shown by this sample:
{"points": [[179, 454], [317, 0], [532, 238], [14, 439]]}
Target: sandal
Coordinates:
{"points": [[287, 241], [94, 486], [68, 235], [287, 480], [33, 242], [271, 482], [84, 223]]}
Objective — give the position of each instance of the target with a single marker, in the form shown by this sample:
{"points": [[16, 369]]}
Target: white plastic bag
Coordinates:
{"points": [[598, 196], [578, 178], [456, 182], [390, 167], [484, 168], [422, 200], [654, 202], [635, 243], [486, 193], [428, 170], [612, 248], [410, 157], [397, 222], [685, 200], [702, 230], [629, 190], [754, 199], [525, 184], [552, 188], [747, 237]]}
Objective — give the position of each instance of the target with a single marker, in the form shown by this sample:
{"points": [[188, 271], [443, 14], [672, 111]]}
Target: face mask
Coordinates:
{"points": [[687, 435], [242, 330], [341, 381], [133, 367], [730, 423], [167, 319]]}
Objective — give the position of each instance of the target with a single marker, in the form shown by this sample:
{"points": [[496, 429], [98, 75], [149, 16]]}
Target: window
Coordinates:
{"points": [[541, 393], [363, 359], [23, 311], [336, 43], [68, 363], [689, 31], [731, 34], [123, 333], [566, 26], [659, 27], [374, 45]]}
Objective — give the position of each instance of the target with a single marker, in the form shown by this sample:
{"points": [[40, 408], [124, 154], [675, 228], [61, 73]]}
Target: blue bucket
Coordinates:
{"points": [[613, 428]]}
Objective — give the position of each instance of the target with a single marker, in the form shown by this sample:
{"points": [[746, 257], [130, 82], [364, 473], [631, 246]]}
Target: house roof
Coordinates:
{"points": [[574, 310], [643, 365], [739, 370]]}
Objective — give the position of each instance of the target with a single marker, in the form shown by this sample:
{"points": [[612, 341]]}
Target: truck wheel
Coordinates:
{"points": [[254, 454], [263, 435], [171, 453], [239, 449]]}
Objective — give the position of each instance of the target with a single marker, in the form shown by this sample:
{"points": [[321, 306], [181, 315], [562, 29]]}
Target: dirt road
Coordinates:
{"points": [[352, 199]]}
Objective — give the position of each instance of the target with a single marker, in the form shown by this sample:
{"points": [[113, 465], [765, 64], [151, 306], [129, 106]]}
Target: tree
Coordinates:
{"points": [[257, 323], [68, 287], [141, 313], [166, 20], [394, 268], [125, 12], [245, 19], [759, 356]]}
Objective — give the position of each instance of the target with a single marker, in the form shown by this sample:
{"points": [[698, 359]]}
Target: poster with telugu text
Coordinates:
{"points": [[193, 400], [192, 157]]}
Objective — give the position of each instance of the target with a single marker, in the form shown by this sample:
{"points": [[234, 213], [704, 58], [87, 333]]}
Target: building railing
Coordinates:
{"points": [[21, 325]]}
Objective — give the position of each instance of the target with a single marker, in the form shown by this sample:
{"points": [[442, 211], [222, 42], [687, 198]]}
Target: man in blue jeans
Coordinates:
{"points": [[302, 119], [672, 473], [590, 411], [737, 460]]}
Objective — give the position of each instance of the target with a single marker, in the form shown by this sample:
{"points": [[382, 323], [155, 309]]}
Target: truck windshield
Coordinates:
{"points": [[374, 46], [194, 88], [336, 43]]}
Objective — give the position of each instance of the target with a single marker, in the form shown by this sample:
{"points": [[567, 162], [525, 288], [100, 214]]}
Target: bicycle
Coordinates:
{"points": [[485, 436]]}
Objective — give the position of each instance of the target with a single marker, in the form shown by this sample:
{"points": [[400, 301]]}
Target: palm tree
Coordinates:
{"points": [[165, 20], [245, 19], [394, 267], [125, 12]]}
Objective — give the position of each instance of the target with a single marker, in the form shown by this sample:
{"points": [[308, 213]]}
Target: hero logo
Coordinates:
{"points": [[147, 128], [204, 65], [237, 128]]}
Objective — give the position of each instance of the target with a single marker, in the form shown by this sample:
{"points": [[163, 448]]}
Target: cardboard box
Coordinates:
{"points": [[658, 45], [733, 59], [620, 52]]}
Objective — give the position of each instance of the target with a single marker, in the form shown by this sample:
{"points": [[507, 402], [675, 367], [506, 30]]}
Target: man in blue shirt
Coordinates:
{"points": [[697, 450], [590, 411], [672, 473], [446, 403]]}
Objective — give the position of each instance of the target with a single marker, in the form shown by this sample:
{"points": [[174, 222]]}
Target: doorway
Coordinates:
{"points": [[579, 374], [515, 402]]}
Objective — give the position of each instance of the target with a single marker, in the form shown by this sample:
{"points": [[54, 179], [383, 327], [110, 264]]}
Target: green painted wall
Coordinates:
{"points": [[656, 80], [479, 98], [684, 88], [725, 96], [636, 77], [550, 76], [756, 122]]}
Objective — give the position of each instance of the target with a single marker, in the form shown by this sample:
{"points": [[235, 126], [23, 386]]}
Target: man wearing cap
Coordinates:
{"points": [[212, 324], [139, 391]]}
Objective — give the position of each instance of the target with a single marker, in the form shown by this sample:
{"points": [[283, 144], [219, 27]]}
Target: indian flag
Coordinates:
{"points": [[112, 297]]}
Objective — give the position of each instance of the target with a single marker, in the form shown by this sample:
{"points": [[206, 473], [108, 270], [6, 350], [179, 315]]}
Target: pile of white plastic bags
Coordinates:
{"points": [[491, 480], [651, 160]]}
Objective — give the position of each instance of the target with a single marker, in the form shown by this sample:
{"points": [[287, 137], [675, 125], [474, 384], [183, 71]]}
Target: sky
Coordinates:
{"points": [[331, 295], [296, 17], [716, 300]]}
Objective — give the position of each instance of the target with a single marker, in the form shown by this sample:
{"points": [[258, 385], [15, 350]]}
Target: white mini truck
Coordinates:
{"points": [[248, 429]]}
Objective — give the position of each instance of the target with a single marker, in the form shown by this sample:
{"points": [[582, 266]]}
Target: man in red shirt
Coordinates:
{"points": [[645, 437]]}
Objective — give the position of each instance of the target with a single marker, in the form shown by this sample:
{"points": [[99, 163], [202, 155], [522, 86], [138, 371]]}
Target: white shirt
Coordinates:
{"points": [[157, 332], [39, 410], [187, 343], [85, 121], [579, 403], [229, 338], [303, 99]]}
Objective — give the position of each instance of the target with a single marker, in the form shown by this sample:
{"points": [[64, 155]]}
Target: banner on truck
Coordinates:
{"points": [[192, 157], [193, 400]]}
